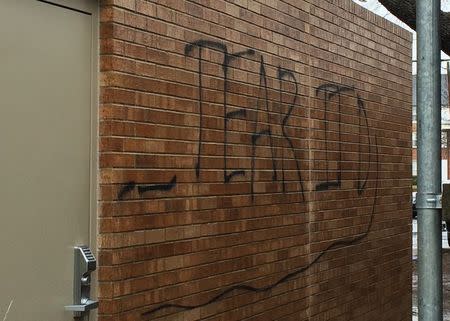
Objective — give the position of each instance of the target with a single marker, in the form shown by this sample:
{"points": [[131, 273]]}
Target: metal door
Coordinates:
{"points": [[46, 93]]}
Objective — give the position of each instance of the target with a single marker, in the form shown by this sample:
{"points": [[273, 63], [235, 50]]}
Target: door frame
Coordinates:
{"points": [[92, 8], [87, 6]]}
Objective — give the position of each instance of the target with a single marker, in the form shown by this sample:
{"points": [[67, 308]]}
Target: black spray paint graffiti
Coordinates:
{"points": [[329, 93], [129, 187], [201, 44], [289, 276], [241, 113], [267, 130], [227, 116], [362, 114], [282, 75]]}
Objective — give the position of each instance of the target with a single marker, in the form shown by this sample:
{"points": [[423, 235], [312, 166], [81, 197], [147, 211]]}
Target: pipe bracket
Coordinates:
{"points": [[429, 201]]}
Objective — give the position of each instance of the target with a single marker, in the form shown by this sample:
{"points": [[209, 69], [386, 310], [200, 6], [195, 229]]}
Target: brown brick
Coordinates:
{"points": [[325, 196]]}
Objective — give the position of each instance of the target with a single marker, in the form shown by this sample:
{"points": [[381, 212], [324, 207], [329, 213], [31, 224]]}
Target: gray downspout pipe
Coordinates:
{"points": [[429, 161]]}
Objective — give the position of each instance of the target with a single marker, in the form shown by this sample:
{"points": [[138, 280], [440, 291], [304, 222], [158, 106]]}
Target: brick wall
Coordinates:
{"points": [[255, 162]]}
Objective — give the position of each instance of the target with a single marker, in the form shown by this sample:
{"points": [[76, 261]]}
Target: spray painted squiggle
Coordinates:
{"points": [[289, 276]]}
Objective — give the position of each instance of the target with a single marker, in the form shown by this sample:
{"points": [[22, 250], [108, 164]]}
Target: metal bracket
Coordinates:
{"points": [[429, 201]]}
